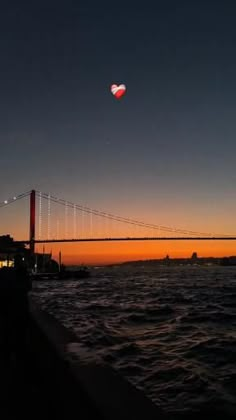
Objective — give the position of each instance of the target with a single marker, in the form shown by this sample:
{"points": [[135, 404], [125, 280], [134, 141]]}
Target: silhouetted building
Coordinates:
{"points": [[11, 252], [6, 260], [9, 249]]}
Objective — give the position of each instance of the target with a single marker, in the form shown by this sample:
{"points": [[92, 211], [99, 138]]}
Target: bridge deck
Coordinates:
{"points": [[124, 239]]}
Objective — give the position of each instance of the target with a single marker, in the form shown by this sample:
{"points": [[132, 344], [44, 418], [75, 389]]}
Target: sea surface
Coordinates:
{"points": [[170, 330]]}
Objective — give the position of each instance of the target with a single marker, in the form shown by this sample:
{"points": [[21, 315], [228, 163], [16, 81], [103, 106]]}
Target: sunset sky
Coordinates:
{"points": [[165, 153]]}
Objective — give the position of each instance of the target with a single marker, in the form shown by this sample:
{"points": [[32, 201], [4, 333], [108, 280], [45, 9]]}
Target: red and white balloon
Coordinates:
{"points": [[118, 90]]}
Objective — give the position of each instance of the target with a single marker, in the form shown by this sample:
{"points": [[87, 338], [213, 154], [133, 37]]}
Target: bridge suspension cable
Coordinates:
{"points": [[14, 199], [83, 216], [90, 212]]}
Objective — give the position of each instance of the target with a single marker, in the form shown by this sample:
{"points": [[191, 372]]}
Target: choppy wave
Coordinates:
{"points": [[170, 331]]}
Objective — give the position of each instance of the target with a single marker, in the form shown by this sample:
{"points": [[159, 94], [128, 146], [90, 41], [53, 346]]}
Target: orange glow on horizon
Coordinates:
{"points": [[114, 252]]}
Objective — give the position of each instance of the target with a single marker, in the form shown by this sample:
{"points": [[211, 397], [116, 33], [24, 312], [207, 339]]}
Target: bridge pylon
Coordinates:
{"points": [[32, 222]]}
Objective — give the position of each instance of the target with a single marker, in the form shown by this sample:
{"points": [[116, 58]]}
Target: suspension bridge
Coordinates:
{"points": [[79, 223]]}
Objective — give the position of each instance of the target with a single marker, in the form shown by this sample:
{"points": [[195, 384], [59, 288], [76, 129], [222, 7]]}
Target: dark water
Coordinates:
{"points": [[170, 331]]}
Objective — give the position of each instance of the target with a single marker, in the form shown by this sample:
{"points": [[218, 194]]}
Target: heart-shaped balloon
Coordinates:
{"points": [[118, 90]]}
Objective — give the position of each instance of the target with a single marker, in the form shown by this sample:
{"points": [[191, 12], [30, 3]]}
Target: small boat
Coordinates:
{"points": [[62, 275], [44, 276], [74, 274]]}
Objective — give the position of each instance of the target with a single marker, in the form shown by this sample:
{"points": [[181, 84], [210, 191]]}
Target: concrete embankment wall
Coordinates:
{"points": [[77, 389]]}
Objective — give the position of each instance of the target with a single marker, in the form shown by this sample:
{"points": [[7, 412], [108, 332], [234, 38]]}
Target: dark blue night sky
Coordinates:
{"points": [[166, 151]]}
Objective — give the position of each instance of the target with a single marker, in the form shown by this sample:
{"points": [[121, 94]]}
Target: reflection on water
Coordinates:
{"points": [[170, 331]]}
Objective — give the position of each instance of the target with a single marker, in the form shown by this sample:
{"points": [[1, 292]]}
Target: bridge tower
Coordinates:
{"points": [[32, 222]]}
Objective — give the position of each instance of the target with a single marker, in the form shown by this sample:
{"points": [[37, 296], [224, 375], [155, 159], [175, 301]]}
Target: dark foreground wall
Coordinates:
{"points": [[75, 389]]}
